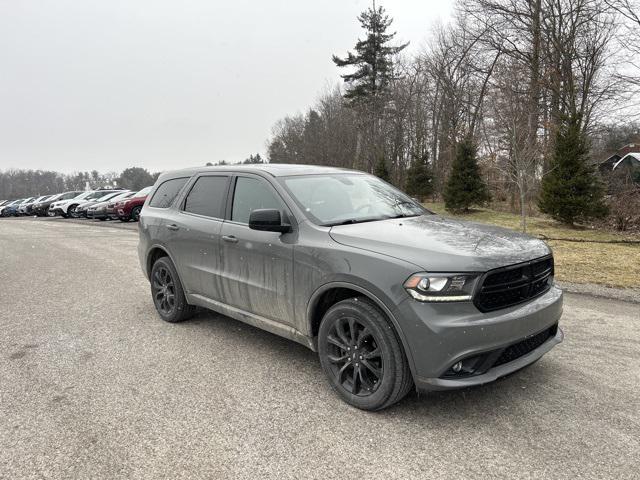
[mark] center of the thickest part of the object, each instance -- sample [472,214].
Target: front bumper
[430,384]
[439,335]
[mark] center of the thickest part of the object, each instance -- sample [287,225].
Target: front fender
[381,300]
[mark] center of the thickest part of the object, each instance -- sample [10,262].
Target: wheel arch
[331,293]
[154,253]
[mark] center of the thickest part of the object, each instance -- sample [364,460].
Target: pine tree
[368,85]
[571,191]
[465,186]
[372,58]
[419,178]
[381,171]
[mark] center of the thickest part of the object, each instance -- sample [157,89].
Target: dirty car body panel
[278,281]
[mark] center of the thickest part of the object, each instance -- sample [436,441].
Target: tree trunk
[523,208]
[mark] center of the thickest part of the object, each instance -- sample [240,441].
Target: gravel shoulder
[94,385]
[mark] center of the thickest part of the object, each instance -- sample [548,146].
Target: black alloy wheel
[356,360]
[71,211]
[362,355]
[167,292]
[164,290]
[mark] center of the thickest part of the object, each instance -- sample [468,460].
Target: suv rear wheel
[167,293]
[362,356]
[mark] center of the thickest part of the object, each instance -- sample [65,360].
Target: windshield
[344,198]
[108,196]
[84,195]
[144,192]
[123,196]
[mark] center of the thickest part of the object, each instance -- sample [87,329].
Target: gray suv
[389,294]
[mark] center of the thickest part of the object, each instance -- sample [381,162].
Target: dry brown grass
[614,265]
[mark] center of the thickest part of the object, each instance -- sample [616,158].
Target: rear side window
[207,197]
[252,194]
[167,192]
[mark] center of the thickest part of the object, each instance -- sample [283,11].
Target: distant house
[628,157]
[622,168]
[630,160]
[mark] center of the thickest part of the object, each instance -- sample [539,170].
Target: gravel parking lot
[94,385]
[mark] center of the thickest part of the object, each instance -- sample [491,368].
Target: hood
[135,200]
[439,244]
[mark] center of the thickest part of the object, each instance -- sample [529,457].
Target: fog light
[457,367]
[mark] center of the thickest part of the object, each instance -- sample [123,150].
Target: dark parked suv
[389,294]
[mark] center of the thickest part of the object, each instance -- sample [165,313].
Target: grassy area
[615,265]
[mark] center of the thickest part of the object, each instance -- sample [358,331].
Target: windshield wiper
[351,221]
[405,215]
[405,202]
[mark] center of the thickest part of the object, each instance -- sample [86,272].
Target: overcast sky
[107,84]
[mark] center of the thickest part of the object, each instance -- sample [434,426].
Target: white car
[25,208]
[43,209]
[66,208]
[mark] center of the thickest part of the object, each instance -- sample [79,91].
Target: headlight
[441,287]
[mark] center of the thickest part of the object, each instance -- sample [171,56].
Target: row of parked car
[102,204]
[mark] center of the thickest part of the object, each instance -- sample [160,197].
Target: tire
[71,212]
[165,285]
[357,323]
[135,213]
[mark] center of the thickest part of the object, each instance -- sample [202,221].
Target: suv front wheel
[362,356]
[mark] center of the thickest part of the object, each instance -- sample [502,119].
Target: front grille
[508,286]
[525,346]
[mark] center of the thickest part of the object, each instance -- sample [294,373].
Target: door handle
[230,238]
[173,227]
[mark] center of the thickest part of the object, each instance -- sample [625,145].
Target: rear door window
[207,196]
[167,192]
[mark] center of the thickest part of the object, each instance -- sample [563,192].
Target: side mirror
[268,220]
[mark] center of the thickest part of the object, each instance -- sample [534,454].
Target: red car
[129,209]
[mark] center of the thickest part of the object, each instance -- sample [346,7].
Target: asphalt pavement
[94,385]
